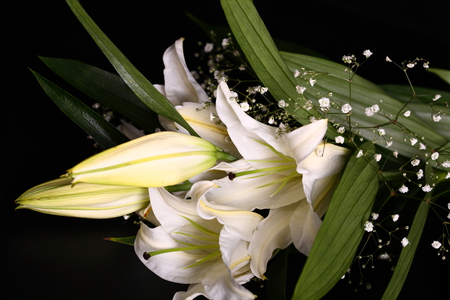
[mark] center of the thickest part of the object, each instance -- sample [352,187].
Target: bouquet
[266,157]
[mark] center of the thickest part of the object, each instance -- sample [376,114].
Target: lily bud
[155,160]
[83,200]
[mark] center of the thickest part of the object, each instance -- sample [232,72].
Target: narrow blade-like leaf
[442,73]
[263,55]
[143,89]
[105,134]
[106,88]
[342,229]
[129,240]
[406,257]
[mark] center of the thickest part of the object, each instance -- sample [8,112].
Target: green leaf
[263,56]
[365,94]
[423,108]
[342,229]
[442,73]
[223,31]
[105,134]
[142,88]
[106,88]
[406,257]
[129,240]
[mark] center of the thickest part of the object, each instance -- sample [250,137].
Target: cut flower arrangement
[227,178]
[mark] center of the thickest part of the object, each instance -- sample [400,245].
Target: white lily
[198,243]
[83,200]
[293,174]
[191,101]
[155,160]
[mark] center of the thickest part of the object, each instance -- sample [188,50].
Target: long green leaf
[342,229]
[365,94]
[105,134]
[143,89]
[442,73]
[263,55]
[406,257]
[106,88]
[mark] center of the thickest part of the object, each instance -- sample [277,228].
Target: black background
[65,258]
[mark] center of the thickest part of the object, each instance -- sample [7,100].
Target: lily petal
[326,160]
[304,225]
[272,233]
[245,132]
[179,84]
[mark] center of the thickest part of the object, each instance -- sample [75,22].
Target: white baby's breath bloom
[208,47]
[426,65]
[437,97]
[244,106]
[436,245]
[403,189]
[312,81]
[346,108]
[263,90]
[446,164]
[339,139]
[410,65]
[435,155]
[395,217]
[377,157]
[367,53]
[413,141]
[419,174]
[395,153]
[436,118]
[347,59]
[296,73]
[341,130]
[360,153]
[407,113]
[404,242]
[300,89]
[282,104]
[384,256]
[389,144]
[381,131]
[225,43]
[388,59]
[324,103]
[368,226]
[375,216]
[415,162]
[447,177]
[422,146]
[427,188]
[370,111]
[448,205]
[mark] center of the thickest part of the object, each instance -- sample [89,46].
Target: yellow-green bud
[155,160]
[83,200]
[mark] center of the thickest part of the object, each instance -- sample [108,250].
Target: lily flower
[83,200]
[155,160]
[199,244]
[191,101]
[292,174]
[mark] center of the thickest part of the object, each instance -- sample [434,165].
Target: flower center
[280,165]
[206,239]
